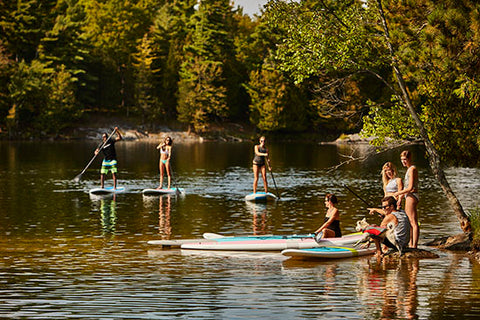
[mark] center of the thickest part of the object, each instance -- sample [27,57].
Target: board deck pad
[260,197]
[107,190]
[329,252]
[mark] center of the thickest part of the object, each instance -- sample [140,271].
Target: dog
[371,232]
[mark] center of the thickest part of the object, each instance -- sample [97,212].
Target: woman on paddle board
[109,162]
[164,164]
[260,161]
[410,191]
[331,224]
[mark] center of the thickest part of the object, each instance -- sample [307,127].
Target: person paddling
[260,160]
[109,162]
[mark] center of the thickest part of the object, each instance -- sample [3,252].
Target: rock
[412,253]
[459,242]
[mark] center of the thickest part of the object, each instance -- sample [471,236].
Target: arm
[400,187]
[119,135]
[333,217]
[411,178]
[260,154]
[379,211]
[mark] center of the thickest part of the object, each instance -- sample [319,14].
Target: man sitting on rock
[400,230]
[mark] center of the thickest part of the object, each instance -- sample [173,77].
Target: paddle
[274,183]
[177,191]
[368,204]
[79,176]
[364,201]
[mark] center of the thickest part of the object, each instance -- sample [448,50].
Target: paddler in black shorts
[260,160]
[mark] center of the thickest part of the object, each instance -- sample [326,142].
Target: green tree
[202,85]
[113,27]
[344,35]
[23,24]
[276,104]
[145,99]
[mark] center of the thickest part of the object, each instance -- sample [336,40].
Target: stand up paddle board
[171,243]
[260,196]
[106,191]
[329,252]
[157,192]
[268,242]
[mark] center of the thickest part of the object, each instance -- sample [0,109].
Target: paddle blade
[77,178]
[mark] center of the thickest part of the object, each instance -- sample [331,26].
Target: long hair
[388,165]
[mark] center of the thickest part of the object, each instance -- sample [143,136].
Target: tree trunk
[434,158]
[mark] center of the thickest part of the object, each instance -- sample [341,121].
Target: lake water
[65,254]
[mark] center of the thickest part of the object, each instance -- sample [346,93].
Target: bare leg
[264,177]
[161,174]
[102,180]
[169,174]
[255,178]
[114,176]
[327,233]
[411,211]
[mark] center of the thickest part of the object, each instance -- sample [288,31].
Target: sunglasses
[385,207]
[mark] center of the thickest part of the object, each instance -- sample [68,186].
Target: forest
[318,66]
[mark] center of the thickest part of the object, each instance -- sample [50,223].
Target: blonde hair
[391,166]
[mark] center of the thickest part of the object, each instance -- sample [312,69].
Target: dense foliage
[316,65]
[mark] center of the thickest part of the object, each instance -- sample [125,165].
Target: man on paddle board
[109,162]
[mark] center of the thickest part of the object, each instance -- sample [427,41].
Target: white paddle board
[106,191]
[260,196]
[157,192]
[329,252]
[268,242]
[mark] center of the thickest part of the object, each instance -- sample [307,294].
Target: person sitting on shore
[401,228]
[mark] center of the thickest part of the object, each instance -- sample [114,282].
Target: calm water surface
[64,254]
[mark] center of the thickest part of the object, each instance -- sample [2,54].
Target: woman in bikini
[391,182]
[164,164]
[260,160]
[331,224]
[410,192]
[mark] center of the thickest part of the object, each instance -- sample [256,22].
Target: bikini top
[392,186]
[164,151]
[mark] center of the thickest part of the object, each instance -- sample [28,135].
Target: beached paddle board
[106,191]
[157,192]
[329,252]
[268,242]
[260,197]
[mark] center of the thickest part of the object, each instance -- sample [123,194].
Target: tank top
[402,230]
[392,186]
[415,184]
[260,160]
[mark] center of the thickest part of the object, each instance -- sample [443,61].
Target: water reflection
[164,225]
[108,212]
[395,283]
[259,214]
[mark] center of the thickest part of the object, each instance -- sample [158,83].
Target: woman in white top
[164,164]
[410,192]
[391,182]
